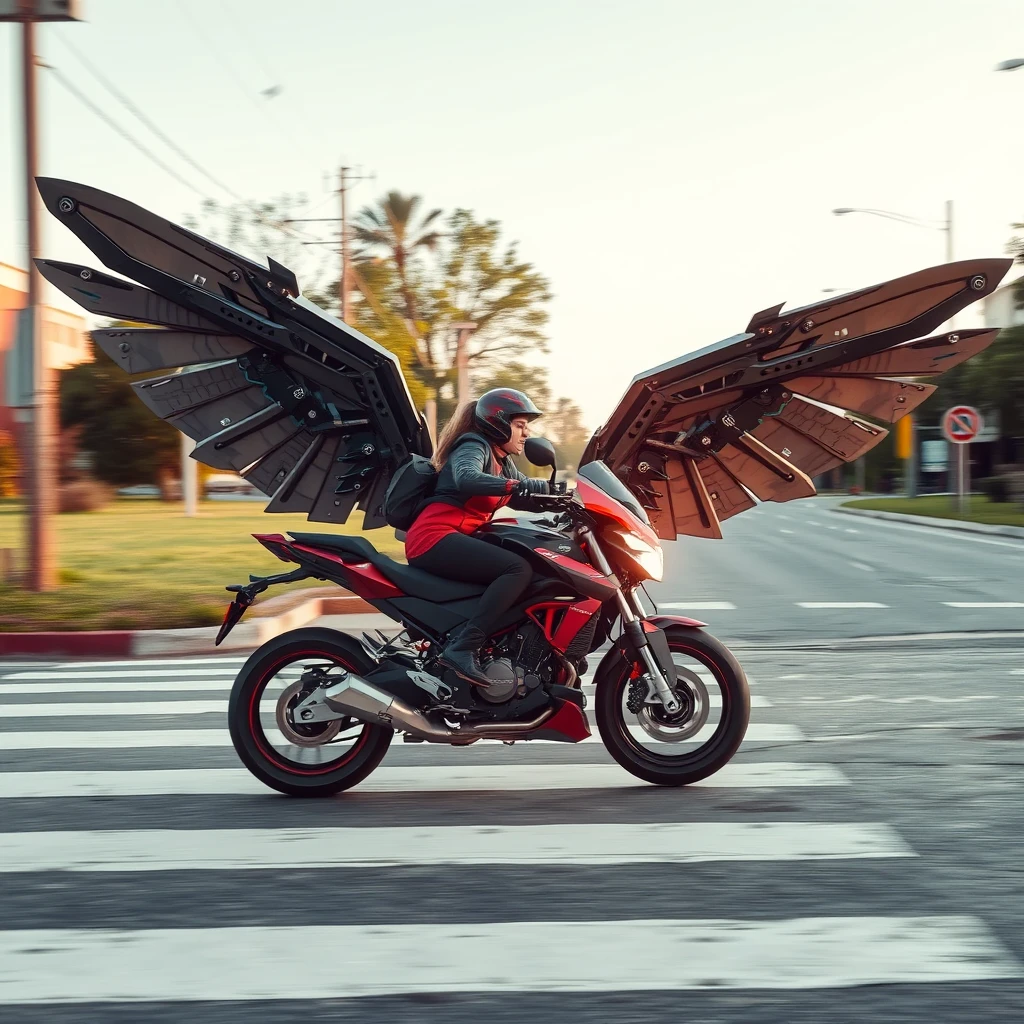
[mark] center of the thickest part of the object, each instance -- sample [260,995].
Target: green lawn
[943,506]
[142,564]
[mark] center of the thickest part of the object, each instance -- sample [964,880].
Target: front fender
[654,628]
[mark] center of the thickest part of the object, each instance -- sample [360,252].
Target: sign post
[961,425]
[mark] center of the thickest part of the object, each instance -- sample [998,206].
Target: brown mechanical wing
[797,394]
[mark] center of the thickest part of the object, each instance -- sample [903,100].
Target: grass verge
[142,564]
[944,506]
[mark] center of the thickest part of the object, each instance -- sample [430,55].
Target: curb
[197,640]
[940,524]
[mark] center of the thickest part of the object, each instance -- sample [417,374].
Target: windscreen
[601,476]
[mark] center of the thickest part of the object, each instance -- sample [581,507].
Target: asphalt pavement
[858,860]
[801,571]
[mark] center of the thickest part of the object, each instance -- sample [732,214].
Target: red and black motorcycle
[318,417]
[313,711]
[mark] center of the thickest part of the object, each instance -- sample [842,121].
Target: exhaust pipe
[356,697]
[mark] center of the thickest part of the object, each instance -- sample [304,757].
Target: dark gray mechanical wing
[312,412]
[797,394]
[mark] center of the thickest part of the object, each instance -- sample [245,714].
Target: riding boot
[462,655]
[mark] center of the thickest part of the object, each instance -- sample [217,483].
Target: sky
[671,167]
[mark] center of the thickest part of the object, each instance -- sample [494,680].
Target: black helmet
[496,409]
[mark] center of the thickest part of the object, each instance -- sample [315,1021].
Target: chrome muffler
[356,697]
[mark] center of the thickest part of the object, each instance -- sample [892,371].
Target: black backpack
[412,483]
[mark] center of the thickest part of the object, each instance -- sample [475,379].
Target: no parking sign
[961,424]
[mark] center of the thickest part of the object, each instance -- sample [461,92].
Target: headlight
[650,559]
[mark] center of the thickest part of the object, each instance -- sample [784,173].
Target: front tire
[688,766]
[307,769]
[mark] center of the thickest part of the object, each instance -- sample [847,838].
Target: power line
[103,116]
[155,129]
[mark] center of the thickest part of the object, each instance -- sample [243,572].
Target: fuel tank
[551,553]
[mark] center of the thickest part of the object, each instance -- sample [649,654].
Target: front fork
[633,614]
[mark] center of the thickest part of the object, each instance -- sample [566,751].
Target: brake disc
[313,734]
[692,692]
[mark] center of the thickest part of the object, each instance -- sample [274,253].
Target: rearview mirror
[540,451]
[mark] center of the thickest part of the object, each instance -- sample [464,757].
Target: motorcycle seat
[414,582]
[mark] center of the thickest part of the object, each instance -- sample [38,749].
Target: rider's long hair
[463,422]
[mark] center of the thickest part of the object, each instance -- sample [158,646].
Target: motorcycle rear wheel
[688,767]
[247,722]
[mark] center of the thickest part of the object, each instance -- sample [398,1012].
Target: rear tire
[253,748]
[613,676]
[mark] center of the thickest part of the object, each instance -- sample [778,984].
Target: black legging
[461,557]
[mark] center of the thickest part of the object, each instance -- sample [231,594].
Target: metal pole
[960,478]
[189,475]
[42,468]
[911,481]
[344,246]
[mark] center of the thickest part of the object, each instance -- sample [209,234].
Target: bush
[8,466]
[995,488]
[83,496]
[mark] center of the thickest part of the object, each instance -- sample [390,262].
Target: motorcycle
[671,702]
[318,417]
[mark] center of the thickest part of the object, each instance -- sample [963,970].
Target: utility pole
[39,407]
[346,180]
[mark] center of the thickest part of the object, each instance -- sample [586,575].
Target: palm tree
[389,229]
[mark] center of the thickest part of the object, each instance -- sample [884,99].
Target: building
[1000,308]
[65,334]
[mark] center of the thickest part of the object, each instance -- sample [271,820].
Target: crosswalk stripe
[984,604]
[405,779]
[72,739]
[175,964]
[698,606]
[118,674]
[170,707]
[582,844]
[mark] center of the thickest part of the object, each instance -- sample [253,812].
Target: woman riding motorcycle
[476,477]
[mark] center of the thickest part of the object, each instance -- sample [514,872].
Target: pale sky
[671,167]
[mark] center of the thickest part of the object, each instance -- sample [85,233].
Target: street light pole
[947,229]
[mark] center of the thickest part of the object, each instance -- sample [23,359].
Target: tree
[126,442]
[564,425]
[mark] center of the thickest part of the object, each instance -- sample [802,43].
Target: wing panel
[925,358]
[845,436]
[110,296]
[247,441]
[144,351]
[726,494]
[303,484]
[272,470]
[882,398]
[804,452]
[692,508]
[764,472]
[168,396]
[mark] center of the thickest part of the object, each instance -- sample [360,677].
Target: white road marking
[153,673]
[848,530]
[699,606]
[184,708]
[918,698]
[101,686]
[813,522]
[840,604]
[144,663]
[862,566]
[585,844]
[412,779]
[831,527]
[176,964]
[784,531]
[126,739]
[938,534]
[115,708]
[984,604]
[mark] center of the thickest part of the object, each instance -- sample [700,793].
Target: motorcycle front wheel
[316,759]
[697,742]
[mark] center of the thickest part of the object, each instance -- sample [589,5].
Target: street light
[946,227]
[1010,65]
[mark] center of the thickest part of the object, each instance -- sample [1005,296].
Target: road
[801,571]
[858,860]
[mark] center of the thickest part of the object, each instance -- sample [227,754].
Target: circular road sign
[961,424]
